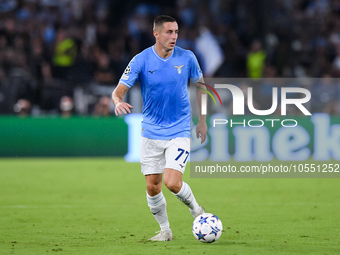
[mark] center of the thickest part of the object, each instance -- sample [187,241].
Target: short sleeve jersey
[164,82]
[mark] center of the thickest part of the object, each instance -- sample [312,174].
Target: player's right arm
[117,98]
[127,80]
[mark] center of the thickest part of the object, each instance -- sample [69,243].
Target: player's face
[167,35]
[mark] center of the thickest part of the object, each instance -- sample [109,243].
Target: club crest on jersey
[179,69]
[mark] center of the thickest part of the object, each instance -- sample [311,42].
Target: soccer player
[163,71]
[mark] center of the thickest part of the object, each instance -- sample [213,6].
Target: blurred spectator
[22,108]
[256,60]
[102,107]
[104,74]
[64,55]
[66,106]
[8,5]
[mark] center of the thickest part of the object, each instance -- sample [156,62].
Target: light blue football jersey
[164,81]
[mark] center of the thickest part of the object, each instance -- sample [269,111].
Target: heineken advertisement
[239,139]
[258,139]
[264,139]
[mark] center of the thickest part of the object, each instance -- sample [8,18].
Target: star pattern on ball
[203,220]
[200,236]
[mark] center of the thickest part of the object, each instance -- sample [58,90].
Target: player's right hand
[123,108]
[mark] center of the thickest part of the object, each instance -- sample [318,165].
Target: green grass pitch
[98,206]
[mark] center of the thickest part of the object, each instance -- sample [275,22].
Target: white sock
[157,206]
[187,197]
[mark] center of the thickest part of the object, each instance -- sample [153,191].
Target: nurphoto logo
[238,103]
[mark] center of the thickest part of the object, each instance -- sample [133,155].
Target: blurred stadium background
[61,60]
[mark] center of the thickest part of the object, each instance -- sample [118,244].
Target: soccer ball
[207,228]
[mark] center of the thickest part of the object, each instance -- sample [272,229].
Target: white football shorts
[156,155]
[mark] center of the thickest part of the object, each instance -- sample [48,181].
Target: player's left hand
[123,108]
[201,130]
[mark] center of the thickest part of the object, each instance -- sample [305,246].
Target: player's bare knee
[173,185]
[153,189]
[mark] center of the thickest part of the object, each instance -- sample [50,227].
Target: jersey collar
[164,59]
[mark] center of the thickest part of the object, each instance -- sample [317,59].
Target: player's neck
[162,52]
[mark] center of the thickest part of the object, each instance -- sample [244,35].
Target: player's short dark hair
[159,20]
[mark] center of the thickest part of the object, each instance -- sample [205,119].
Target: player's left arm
[201,128]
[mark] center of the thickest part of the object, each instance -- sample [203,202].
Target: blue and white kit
[164,81]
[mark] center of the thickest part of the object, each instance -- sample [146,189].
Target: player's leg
[152,166]
[156,200]
[173,181]
[176,156]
